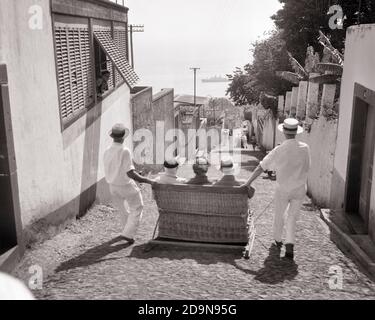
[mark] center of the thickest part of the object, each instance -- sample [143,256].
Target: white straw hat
[290,126]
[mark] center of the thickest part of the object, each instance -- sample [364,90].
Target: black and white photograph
[187,156]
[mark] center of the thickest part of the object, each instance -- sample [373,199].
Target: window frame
[67,122]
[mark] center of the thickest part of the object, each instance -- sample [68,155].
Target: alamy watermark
[336,278]
[36,278]
[154,147]
[36,17]
[337,19]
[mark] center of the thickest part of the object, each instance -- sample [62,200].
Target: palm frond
[297,67]
[325,79]
[326,43]
[332,68]
[289,76]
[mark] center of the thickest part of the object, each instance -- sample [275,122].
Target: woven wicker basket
[202,213]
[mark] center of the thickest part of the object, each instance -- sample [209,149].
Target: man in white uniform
[120,175]
[291,161]
[13,289]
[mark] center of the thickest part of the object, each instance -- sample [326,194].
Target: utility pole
[195,86]
[195,103]
[134,28]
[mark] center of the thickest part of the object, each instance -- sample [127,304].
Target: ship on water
[216,79]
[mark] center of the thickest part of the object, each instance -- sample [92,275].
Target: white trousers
[287,209]
[128,200]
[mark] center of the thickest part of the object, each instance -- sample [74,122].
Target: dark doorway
[9,204]
[361,156]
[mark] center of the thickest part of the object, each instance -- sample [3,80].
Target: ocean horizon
[185,85]
[182,81]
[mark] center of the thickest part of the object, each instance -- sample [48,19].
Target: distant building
[222,111]
[189,117]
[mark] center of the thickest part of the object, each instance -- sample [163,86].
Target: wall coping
[162,94]
[97,9]
[142,91]
[361,28]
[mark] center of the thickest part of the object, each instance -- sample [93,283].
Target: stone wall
[322,142]
[155,114]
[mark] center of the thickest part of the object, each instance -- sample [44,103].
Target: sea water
[183,83]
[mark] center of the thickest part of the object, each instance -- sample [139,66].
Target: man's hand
[152,182]
[250,190]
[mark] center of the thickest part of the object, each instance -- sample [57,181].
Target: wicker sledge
[203,216]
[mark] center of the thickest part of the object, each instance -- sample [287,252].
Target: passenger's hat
[290,126]
[171,163]
[227,166]
[201,164]
[119,131]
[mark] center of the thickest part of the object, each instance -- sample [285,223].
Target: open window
[104,76]
[91,62]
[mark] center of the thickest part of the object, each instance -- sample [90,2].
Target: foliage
[269,102]
[260,76]
[301,21]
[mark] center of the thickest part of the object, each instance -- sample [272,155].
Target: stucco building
[353,175]
[55,112]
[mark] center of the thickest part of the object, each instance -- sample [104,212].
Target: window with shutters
[103,63]
[74,68]
[91,62]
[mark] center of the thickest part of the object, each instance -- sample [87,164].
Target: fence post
[288,101]
[312,99]
[294,102]
[328,97]
[302,97]
[280,108]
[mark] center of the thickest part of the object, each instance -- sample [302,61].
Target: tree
[259,77]
[240,90]
[357,11]
[301,21]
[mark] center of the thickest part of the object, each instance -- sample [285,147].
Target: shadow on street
[94,255]
[276,270]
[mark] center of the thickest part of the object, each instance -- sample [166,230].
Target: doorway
[361,156]
[9,203]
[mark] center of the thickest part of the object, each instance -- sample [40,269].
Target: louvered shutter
[74,68]
[118,58]
[120,38]
[109,64]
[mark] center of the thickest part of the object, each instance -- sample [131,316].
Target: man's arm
[258,171]
[266,164]
[132,174]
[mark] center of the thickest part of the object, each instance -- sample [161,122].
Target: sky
[214,35]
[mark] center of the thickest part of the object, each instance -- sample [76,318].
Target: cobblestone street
[88,261]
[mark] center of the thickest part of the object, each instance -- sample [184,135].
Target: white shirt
[117,163]
[291,161]
[169,177]
[13,289]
